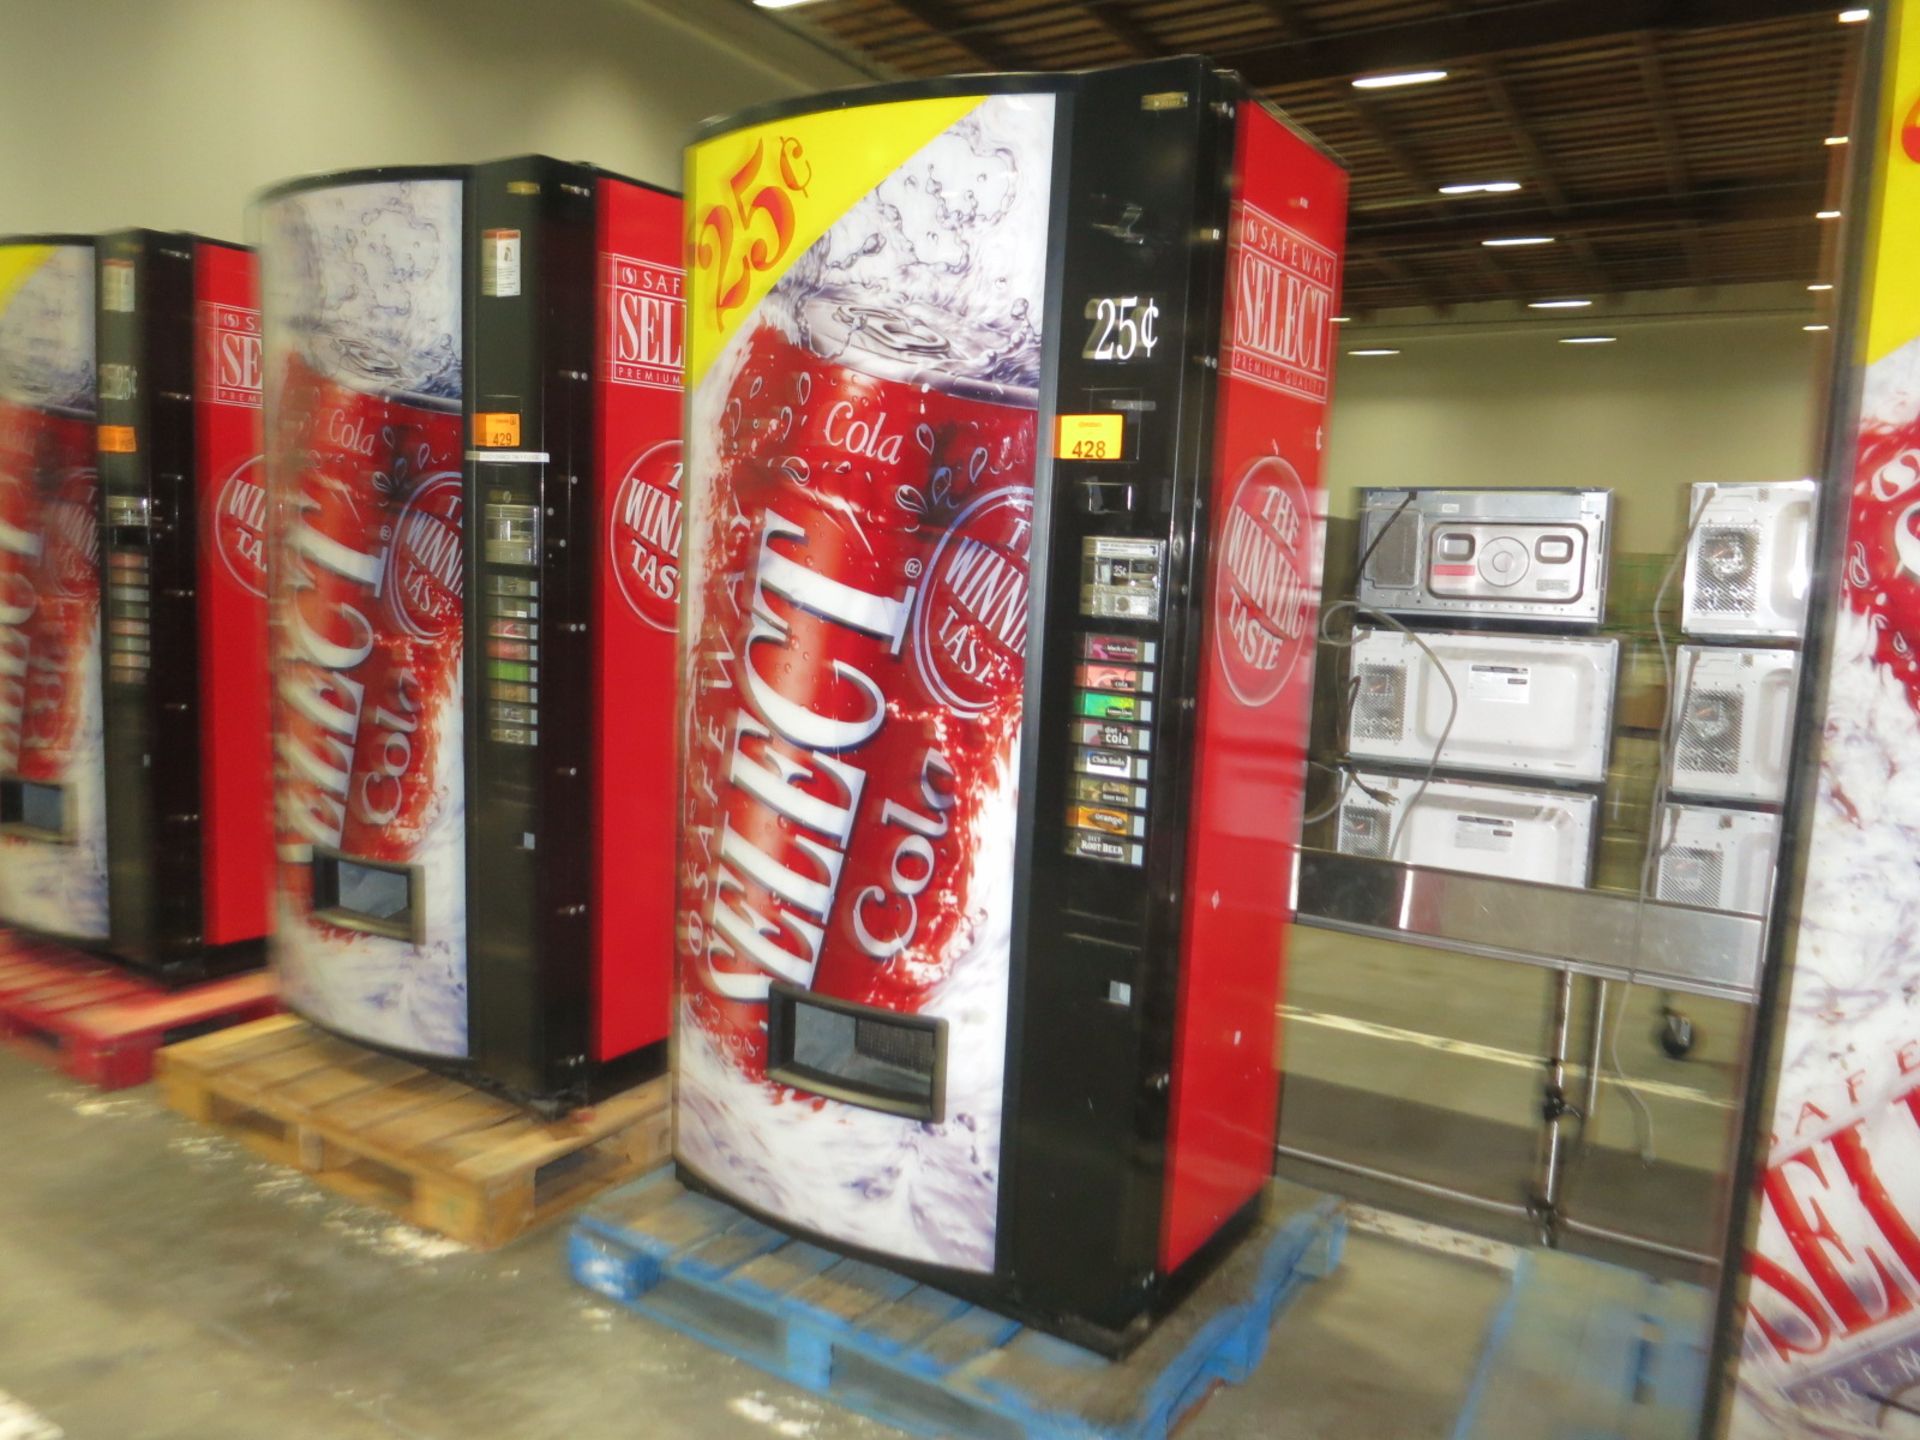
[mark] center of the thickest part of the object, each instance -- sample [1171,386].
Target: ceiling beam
[1539,168]
[1718,205]
[1653,80]
[1123,30]
[977,43]
[1468,35]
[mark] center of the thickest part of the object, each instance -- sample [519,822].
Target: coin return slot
[876,1059]
[379,899]
[29,808]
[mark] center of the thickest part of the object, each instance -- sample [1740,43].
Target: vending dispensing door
[364,315]
[53,854]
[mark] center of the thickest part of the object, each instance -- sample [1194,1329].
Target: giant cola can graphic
[362,311]
[858,509]
[53,871]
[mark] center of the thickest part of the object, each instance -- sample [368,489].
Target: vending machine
[472,722]
[53,846]
[186,750]
[1007,399]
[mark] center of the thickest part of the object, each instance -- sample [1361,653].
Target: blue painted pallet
[1582,1350]
[918,1358]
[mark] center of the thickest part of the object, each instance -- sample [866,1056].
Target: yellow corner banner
[1895,317]
[17,263]
[759,197]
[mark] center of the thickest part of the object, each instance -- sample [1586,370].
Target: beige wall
[173,113]
[1729,394]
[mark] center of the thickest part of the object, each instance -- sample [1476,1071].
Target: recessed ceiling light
[1819,287]
[1342,319]
[1837,139]
[1826,214]
[1509,240]
[1373,352]
[1394,81]
[1853,17]
[1816,327]
[1588,339]
[1481,187]
[1558,304]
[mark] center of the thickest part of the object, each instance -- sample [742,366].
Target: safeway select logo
[646,322]
[232,362]
[1282,306]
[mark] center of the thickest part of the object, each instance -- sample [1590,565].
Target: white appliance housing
[1732,722]
[1716,859]
[1527,704]
[1538,556]
[1750,563]
[1541,835]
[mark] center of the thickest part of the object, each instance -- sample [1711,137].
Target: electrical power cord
[1344,774]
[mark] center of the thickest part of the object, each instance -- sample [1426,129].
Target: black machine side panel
[530,329]
[149,530]
[1109,708]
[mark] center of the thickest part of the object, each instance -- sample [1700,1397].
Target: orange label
[116,440]
[496,429]
[1090,437]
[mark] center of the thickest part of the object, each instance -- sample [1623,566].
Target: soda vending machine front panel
[187,748]
[1002,526]
[53,850]
[464,876]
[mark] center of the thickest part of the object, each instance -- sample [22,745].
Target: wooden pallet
[103,1025]
[1582,1350]
[433,1150]
[918,1358]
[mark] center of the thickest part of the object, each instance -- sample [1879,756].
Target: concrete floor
[160,1283]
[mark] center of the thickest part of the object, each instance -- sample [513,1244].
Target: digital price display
[1123,328]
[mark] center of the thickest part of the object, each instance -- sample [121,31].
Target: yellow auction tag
[1090,437]
[496,429]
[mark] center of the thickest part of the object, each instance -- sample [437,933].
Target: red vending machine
[186,748]
[1006,410]
[473,737]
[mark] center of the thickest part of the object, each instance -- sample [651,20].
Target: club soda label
[643,536]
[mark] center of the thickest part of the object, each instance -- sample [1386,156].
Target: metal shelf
[1586,932]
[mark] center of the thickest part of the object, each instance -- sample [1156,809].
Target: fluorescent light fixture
[1837,139]
[1853,17]
[1481,187]
[1826,214]
[1588,339]
[1819,287]
[1394,81]
[1816,327]
[1506,241]
[1558,304]
[1342,319]
[1373,352]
